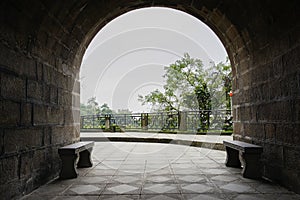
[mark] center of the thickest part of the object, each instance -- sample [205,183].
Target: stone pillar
[144,124]
[107,122]
[182,119]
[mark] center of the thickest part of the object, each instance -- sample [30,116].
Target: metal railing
[184,121]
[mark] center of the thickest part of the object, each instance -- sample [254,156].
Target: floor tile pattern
[125,171]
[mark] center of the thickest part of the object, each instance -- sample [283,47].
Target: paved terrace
[208,141]
[124,170]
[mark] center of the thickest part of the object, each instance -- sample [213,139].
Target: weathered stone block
[35,90]
[284,134]
[11,190]
[64,98]
[273,155]
[61,81]
[291,58]
[289,178]
[232,33]
[40,114]
[47,74]
[245,113]
[76,132]
[55,115]
[52,154]
[76,87]
[274,171]
[69,116]
[265,92]
[296,134]
[47,136]
[53,95]
[254,110]
[16,140]
[255,131]
[38,160]
[277,69]
[61,135]
[13,87]
[292,158]
[269,132]
[39,71]
[10,113]
[15,62]
[8,169]
[76,100]
[46,93]
[26,164]
[1,142]
[238,127]
[275,91]
[26,114]
[28,68]
[43,114]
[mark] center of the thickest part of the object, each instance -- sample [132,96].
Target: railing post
[208,118]
[186,120]
[144,122]
[93,120]
[81,122]
[182,120]
[125,122]
[107,122]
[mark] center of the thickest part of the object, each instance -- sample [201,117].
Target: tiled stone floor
[124,171]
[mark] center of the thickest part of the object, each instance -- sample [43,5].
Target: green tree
[220,84]
[91,108]
[161,101]
[186,87]
[83,109]
[105,109]
[190,86]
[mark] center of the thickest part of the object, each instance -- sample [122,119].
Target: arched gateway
[41,47]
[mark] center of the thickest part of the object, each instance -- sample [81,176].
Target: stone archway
[42,44]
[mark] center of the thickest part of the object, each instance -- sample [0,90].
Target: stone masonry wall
[41,46]
[267,91]
[39,101]
[36,118]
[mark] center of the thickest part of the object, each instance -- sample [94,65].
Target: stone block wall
[37,116]
[39,102]
[41,47]
[267,92]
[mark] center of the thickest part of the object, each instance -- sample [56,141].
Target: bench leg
[68,169]
[85,159]
[232,159]
[251,165]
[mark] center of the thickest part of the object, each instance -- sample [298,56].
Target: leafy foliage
[104,109]
[92,108]
[191,87]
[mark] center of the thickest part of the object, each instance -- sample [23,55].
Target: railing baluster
[184,121]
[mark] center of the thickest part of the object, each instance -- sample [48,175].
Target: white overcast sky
[127,56]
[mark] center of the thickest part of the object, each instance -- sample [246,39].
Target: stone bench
[242,154]
[69,156]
